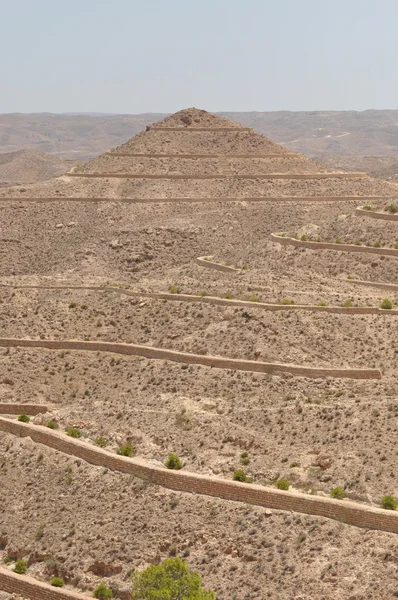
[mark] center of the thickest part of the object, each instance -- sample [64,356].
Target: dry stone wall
[193,359]
[385,216]
[289,241]
[378,284]
[299,176]
[27,587]
[348,512]
[8,408]
[284,199]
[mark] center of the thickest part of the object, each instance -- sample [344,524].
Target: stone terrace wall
[348,512]
[193,359]
[8,408]
[289,241]
[186,155]
[300,176]
[386,216]
[378,284]
[26,586]
[209,264]
[215,199]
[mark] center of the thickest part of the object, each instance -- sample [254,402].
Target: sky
[136,56]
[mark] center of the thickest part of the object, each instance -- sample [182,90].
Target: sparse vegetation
[322,303]
[101,441]
[173,462]
[287,301]
[174,289]
[376,244]
[73,432]
[21,566]
[254,298]
[338,493]
[304,238]
[72,305]
[125,450]
[228,296]
[348,303]
[338,240]
[244,459]
[52,424]
[367,207]
[386,304]
[392,208]
[282,484]
[57,582]
[239,475]
[23,418]
[102,592]
[389,502]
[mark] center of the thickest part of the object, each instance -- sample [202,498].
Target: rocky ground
[86,523]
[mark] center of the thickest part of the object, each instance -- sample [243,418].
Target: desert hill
[146,268]
[83,136]
[30,166]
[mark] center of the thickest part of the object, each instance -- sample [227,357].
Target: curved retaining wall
[7,408]
[351,513]
[209,264]
[355,310]
[377,284]
[215,199]
[192,359]
[385,216]
[300,176]
[27,587]
[289,241]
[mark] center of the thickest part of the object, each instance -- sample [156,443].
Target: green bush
[282,484]
[57,582]
[72,305]
[322,303]
[287,301]
[102,592]
[101,441]
[239,475]
[171,580]
[254,298]
[389,502]
[51,424]
[244,459]
[348,303]
[376,244]
[367,207]
[126,450]
[21,566]
[338,240]
[173,462]
[228,296]
[304,238]
[174,289]
[395,245]
[392,208]
[386,304]
[24,418]
[201,293]
[338,492]
[358,243]
[73,432]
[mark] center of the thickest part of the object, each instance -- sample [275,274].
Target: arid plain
[166,242]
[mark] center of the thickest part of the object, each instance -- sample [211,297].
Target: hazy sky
[133,56]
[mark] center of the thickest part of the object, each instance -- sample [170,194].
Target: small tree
[171,580]
[21,566]
[102,592]
[173,462]
[389,502]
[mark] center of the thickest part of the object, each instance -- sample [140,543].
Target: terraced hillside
[145,301]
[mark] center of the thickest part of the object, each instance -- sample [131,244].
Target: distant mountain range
[84,135]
